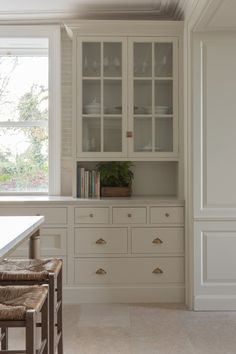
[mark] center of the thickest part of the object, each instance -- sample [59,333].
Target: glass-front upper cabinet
[153,106]
[101,97]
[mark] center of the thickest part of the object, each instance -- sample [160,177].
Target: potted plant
[116,178]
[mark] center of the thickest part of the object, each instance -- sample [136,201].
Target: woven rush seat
[28,269]
[16,300]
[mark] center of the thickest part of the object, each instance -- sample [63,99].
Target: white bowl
[92,109]
[162,109]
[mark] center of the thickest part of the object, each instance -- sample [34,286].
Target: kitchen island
[16,229]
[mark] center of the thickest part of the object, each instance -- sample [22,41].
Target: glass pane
[23,88]
[112,60]
[142,59]
[91,134]
[112,97]
[163,134]
[163,60]
[163,97]
[142,134]
[91,96]
[24,159]
[142,96]
[112,134]
[91,59]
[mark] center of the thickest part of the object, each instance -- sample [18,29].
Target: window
[29,114]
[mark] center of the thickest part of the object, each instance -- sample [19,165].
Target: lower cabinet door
[53,242]
[129,270]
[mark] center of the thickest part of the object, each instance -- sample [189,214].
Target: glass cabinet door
[102,108]
[154,109]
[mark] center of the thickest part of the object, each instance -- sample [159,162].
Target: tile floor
[145,329]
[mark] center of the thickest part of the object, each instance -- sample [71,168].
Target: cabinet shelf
[101,77]
[105,115]
[146,78]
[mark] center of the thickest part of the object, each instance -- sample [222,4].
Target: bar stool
[19,307]
[39,271]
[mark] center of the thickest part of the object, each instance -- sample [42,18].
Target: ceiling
[91,9]
[219,15]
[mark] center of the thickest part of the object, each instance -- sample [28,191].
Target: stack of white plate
[158,109]
[162,109]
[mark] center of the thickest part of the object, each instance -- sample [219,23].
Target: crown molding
[155,9]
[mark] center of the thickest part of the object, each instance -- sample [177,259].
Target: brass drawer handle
[129,215]
[100,241]
[91,215]
[167,215]
[101,271]
[157,271]
[157,241]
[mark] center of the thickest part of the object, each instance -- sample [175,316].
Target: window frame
[53,34]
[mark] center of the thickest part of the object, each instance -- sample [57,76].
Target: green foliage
[115,173]
[29,169]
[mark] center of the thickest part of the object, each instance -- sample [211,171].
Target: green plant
[115,173]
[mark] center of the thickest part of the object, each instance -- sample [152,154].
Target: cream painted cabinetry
[126,102]
[132,257]
[113,250]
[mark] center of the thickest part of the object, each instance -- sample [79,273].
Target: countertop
[16,229]
[149,200]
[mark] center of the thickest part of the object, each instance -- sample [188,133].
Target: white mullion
[25,124]
[102,99]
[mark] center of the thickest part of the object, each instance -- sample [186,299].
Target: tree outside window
[24,123]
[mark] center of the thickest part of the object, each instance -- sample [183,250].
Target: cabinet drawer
[101,240]
[91,215]
[52,215]
[166,215]
[53,241]
[129,270]
[158,240]
[129,215]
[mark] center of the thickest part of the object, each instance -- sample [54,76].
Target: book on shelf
[88,183]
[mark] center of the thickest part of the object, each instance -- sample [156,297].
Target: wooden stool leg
[52,323]
[30,332]
[4,331]
[45,319]
[59,314]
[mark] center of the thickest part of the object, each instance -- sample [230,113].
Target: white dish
[162,109]
[90,109]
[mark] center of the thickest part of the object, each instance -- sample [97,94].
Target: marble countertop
[149,200]
[15,229]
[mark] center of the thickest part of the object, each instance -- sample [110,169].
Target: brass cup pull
[129,215]
[157,271]
[100,241]
[91,215]
[157,241]
[167,215]
[101,271]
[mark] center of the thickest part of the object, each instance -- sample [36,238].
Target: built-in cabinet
[127,97]
[127,104]
[112,250]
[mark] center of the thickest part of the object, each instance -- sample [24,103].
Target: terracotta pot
[115,192]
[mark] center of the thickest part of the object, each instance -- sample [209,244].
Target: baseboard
[171,294]
[215,303]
